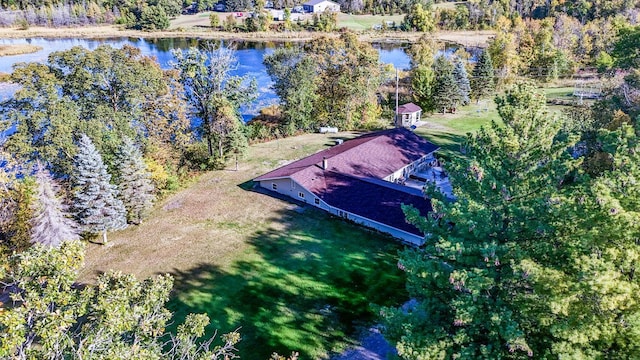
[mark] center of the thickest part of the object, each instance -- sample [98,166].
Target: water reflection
[249,54]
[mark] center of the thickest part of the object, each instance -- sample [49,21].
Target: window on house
[274,186]
[293,184]
[300,194]
[317,201]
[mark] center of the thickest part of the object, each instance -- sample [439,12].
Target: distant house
[318,6]
[408,115]
[278,15]
[361,180]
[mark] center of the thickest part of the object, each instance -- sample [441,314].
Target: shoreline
[465,38]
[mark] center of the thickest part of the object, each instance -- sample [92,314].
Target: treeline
[542,50]
[114,130]
[327,82]
[536,257]
[421,15]
[148,15]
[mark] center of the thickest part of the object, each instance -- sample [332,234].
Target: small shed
[408,115]
[318,6]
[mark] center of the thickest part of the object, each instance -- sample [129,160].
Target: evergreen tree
[96,202]
[51,224]
[134,182]
[482,79]
[471,281]
[445,90]
[462,81]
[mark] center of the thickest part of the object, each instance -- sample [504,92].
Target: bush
[153,18]
[214,20]
[197,157]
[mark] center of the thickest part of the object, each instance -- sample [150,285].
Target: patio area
[434,174]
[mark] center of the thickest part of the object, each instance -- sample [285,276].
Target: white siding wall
[292,189]
[407,170]
[397,233]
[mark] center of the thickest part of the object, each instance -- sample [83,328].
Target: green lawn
[365,22]
[290,280]
[449,130]
[562,93]
[305,287]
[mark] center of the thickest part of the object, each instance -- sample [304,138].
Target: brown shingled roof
[408,108]
[376,155]
[352,181]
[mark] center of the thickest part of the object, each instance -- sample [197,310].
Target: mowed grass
[365,22]
[290,278]
[449,130]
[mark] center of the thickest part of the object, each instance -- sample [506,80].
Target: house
[318,6]
[361,180]
[277,15]
[408,115]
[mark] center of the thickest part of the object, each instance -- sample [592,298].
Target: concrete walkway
[373,347]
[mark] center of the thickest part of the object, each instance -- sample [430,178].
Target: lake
[249,55]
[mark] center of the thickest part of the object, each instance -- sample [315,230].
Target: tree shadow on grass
[306,285]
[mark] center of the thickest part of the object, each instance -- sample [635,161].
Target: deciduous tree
[119,317]
[210,87]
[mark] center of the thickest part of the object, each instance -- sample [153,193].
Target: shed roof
[408,108]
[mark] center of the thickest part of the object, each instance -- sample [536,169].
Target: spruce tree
[134,182]
[445,90]
[483,77]
[51,223]
[462,80]
[96,202]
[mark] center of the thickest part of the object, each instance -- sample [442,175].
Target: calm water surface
[249,55]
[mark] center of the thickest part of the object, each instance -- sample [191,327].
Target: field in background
[366,22]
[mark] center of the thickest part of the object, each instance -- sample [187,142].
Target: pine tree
[462,80]
[51,224]
[96,202]
[472,281]
[482,80]
[445,90]
[134,181]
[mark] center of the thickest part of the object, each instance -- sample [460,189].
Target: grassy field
[290,277]
[365,22]
[449,130]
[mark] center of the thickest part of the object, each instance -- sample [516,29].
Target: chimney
[325,163]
